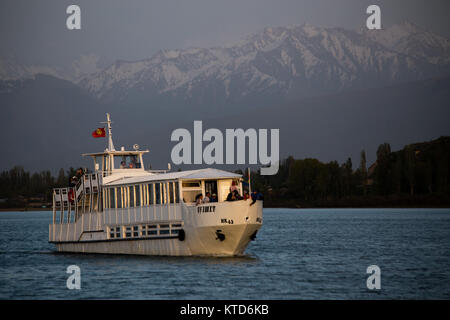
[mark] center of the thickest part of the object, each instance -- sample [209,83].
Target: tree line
[417,174]
[18,186]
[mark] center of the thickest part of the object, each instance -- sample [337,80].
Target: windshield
[127,162]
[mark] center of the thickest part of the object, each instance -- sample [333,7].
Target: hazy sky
[34,32]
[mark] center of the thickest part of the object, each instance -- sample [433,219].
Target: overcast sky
[34,32]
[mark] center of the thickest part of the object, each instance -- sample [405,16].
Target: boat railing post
[61,217]
[69,205]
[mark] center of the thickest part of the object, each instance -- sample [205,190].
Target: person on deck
[256,196]
[231,197]
[198,199]
[233,186]
[237,195]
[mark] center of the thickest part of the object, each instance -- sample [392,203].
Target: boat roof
[115,152]
[207,173]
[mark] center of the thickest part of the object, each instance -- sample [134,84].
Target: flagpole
[249,182]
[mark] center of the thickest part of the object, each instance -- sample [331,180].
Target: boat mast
[110,142]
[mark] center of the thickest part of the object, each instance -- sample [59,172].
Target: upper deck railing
[85,196]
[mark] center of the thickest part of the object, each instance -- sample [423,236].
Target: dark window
[119,197]
[112,198]
[138,196]
[131,189]
[158,193]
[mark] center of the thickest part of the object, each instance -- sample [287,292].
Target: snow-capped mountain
[411,40]
[85,65]
[287,62]
[11,70]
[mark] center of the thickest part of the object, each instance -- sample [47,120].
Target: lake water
[298,254]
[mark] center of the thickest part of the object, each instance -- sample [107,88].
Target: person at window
[133,162]
[207,198]
[231,197]
[214,198]
[123,164]
[256,196]
[246,195]
[237,195]
[198,199]
[79,172]
[233,186]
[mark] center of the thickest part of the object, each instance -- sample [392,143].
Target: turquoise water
[298,254]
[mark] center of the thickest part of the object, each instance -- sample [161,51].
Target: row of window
[141,195]
[137,231]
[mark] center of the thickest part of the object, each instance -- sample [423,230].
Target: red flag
[99,133]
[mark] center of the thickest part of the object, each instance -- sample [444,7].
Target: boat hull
[226,231]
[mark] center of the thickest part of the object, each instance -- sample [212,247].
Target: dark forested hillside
[417,175]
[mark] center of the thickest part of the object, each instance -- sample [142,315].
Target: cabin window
[177,192]
[137,195]
[211,186]
[131,193]
[114,232]
[191,189]
[112,198]
[119,197]
[158,193]
[128,232]
[127,161]
[192,184]
[172,192]
[151,194]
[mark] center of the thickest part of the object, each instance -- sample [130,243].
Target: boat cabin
[172,187]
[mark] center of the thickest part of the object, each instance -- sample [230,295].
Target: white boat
[121,208]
